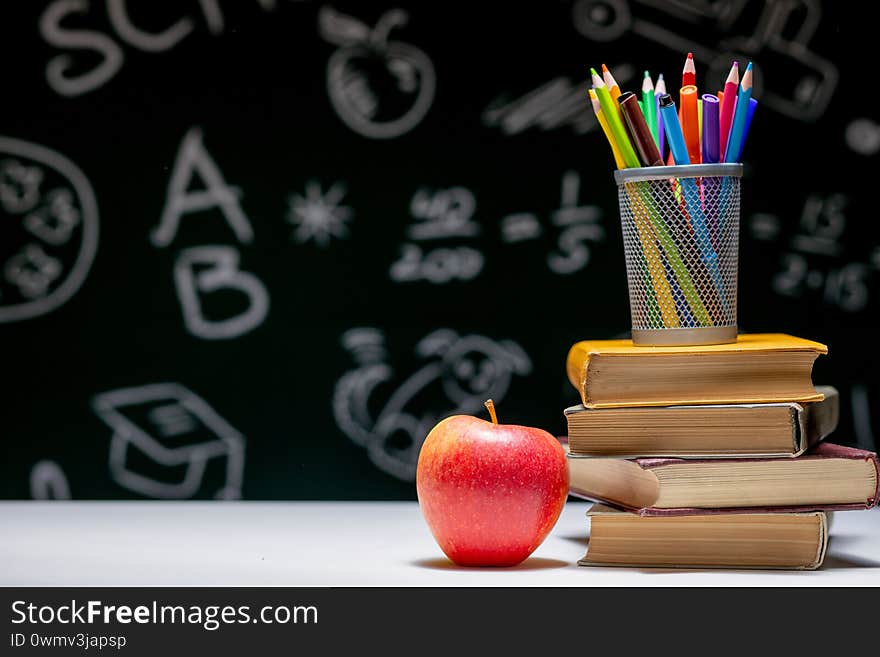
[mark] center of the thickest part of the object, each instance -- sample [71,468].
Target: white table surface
[337,544]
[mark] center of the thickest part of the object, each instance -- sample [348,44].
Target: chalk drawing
[43,274]
[381,89]
[811,260]
[48,482]
[440,214]
[194,160]
[863,136]
[19,186]
[802,84]
[579,225]
[552,105]
[117,12]
[458,374]
[169,430]
[60,70]
[32,271]
[202,270]
[318,216]
[55,221]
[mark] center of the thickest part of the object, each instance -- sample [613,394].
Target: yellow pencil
[665,302]
[615,148]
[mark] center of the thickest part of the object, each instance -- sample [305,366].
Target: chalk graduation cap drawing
[169,443]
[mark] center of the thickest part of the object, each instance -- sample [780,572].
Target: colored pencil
[659,90]
[734,139]
[728,103]
[603,122]
[655,282]
[753,105]
[611,83]
[612,114]
[649,104]
[689,73]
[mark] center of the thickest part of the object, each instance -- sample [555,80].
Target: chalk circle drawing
[803,83]
[164,438]
[194,162]
[317,215]
[601,20]
[381,89]
[202,270]
[48,482]
[863,136]
[48,201]
[391,419]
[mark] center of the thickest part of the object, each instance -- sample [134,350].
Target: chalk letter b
[219,270]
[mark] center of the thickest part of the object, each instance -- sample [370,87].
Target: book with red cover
[827,478]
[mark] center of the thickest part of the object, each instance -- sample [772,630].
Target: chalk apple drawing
[48,229]
[381,89]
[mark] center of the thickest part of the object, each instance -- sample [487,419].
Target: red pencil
[689,74]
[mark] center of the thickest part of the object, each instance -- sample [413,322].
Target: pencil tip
[593,71]
[604,68]
[690,55]
[749,67]
[647,75]
[660,77]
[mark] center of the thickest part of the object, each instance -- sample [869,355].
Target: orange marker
[611,83]
[690,122]
[689,74]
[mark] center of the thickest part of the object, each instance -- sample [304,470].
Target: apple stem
[491,406]
[388,21]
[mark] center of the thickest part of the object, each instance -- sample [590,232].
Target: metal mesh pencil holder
[681,241]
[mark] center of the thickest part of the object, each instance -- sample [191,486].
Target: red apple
[490,492]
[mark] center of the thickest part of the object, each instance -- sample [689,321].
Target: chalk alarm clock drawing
[459,373]
[49,228]
[381,89]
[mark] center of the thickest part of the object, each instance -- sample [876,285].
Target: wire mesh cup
[681,241]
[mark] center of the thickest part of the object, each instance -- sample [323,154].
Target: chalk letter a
[192,159]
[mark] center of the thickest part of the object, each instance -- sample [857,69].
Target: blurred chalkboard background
[256,248]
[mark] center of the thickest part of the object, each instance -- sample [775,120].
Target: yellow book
[758,368]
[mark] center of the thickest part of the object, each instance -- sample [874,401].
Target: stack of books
[710,456]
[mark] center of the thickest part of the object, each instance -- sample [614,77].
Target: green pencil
[612,115]
[649,108]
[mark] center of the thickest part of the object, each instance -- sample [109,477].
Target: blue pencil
[734,141]
[753,105]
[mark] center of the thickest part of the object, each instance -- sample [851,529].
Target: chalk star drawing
[319,216]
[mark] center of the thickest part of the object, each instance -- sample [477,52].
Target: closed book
[757,368]
[703,431]
[767,540]
[828,477]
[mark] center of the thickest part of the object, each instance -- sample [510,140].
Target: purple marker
[711,141]
[659,90]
